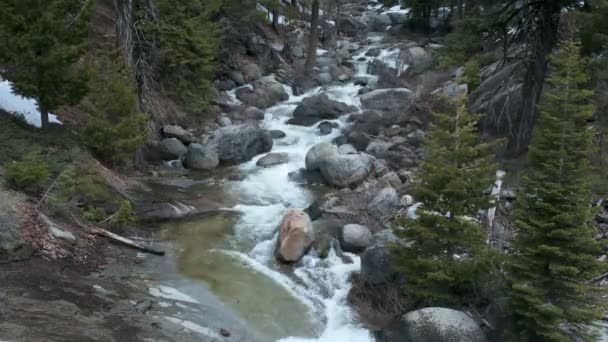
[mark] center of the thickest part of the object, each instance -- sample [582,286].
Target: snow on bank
[19,105]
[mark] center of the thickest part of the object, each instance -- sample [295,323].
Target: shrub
[64,190]
[472,74]
[95,214]
[124,216]
[29,173]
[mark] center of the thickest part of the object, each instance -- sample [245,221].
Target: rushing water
[233,255]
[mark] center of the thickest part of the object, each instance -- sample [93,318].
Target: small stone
[63,235]
[224,332]
[276,134]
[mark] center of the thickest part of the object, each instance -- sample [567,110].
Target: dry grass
[377,305]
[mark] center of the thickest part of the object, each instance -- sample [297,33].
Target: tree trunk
[460,9]
[543,39]
[44,118]
[314,37]
[275,20]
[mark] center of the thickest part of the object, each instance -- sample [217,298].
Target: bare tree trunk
[460,9]
[44,118]
[275,20]
[314,37]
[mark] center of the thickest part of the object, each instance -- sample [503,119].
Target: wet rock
[239,143]
[385,204]
[266,92]
[378,22]
[172,148]
[325,127]
[347,170]
[441,325]
[224,332]
[276,134]
[224,121]
[318,155]
[305,177]
[317,108]
[174,131]
[251,72]
[355,238]
[388,100]
[237,77]
[359,140]
[253,113]
[272,159]
[154,211]
[340,140]
[296,235]
[324,78]
[202,157]
[347,149]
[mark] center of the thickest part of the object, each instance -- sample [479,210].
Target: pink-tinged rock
[296,236]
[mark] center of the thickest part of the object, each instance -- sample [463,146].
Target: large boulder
[272,159]
[296,235]
[317,108]
[355,238]
[12,245]
[240,143]
[384,206]
[266,92]
[388,100]
[347,170]
[174,131]
[378,22]
[295,44]
[441,325]
[377,262]
[350,26]
[417,58]
[172,148]
[202,157]
[319,154]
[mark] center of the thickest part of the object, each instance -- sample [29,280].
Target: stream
[233,255]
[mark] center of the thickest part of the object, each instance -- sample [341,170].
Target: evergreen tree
[42,41]
[447,251]
[555,253]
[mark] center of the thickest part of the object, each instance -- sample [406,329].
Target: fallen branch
[598,278]
[121,239]
[124,240]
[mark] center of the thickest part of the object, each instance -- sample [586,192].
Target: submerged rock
[272,159]
[296,235]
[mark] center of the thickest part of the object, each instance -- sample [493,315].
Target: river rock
[305,177]
[251,72]
[388,100]
[174,131]
[391,179]
[272,159]
[351,27]
[359,140]
[266,92]
[253,113]
[452,90]
[378,148]
[224,121]
[347,170]
[240,143]
[319,154]
[441,325]
[202,157]
[317,108]
[296,235]
[347,149]
[324,78]
[376,261]
[417,58]
[378,22]
[325,127]
[172,148]
[276,134]
[385,204]
[355,238]
[295,44]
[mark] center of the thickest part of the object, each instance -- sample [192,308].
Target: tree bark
[314,37]
[44,118]
[541,43]
[275,20]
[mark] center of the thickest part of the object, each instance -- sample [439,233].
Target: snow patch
[171,293]
[20,105]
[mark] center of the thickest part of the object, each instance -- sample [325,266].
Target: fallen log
[124,240]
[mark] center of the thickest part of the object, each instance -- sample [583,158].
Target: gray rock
[452,90]
[276,134]
[272,159]
[173,131]
[397,17]
[202,157]
[441,325]
[251,72]
[376,261]
[378,22]
[406,201]
[381,167]
[305,177]
[325,127]
[343,78]
[172,148]
[355,238]
[240,143]
[385,204]
[388,100]
[237,77]
[324,78]
[266,92]
[359,140]
[253,113]
[295,45]
[417,58]
[319,154]
[317,108]
[391,179]
[378,147]
[224,121]
[351,26]
[55,230]
[347,149]
[347,170]
[416,138]
[296,235]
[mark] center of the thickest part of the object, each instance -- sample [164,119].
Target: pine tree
[42,41]
[555,253]
[447,250]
